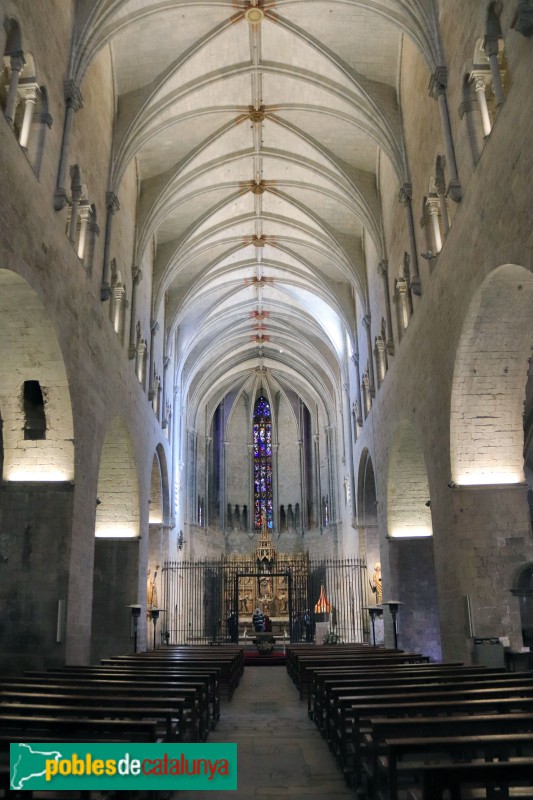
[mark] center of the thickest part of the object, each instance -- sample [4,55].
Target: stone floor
[280,752]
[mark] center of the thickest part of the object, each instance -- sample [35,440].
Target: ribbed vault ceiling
[257,128]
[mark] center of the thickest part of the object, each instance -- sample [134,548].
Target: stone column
[76,192]
[166,364]
[491,47]
[154,327]
[112,206]
[84,217]
[137,278]
[437,90]
[275,485]
[74,102]
[381,360]
[403,300]
[30,98]
[318,487]
[18,62]
[405,197]
[303,492]
[440,186]
[370,365]
[207,453]
[350,465]
[478,82]
[332,472]
[224,484]
[383,270]
[359,418]
[251,493]
[119,296]
[141,362]
[433,204]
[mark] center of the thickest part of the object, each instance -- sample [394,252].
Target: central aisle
[280,752]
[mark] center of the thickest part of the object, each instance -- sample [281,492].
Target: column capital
[154,326]
[464,108]
[17,61]
[433,203]
[383,268]
[491,44]
[28,90]
[438,82]
[406,194]
[136,274]
[72,94]
[111,203]
[105,292]
[478,79]
[454,191]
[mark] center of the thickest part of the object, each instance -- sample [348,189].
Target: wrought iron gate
[199,596]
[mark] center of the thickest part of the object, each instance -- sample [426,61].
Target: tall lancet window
[262,464]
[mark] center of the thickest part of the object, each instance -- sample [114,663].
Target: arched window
[262,430]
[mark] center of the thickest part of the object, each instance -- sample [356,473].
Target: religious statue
[151,588]
[282,602]
[265,586]
[245,603]
[375,583]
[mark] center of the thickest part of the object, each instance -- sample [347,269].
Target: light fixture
[254,15]
[394,605]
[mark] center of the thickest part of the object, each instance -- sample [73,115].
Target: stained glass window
[262,464]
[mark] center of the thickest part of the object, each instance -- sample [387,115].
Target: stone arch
[410,534]
[30,351]
[367,509]
[408,500]
[158,544]
[156,493]
[117,536]
[117,513]
[37,482]
[488,389]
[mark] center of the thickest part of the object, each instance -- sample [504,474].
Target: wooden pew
[203,683]
[169,713]
[405,757]
[365,710]
[332,687]
[502,780]
[306,664]
[382,729]
[339,719]
[231,664]
[188,699]
[24,727]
